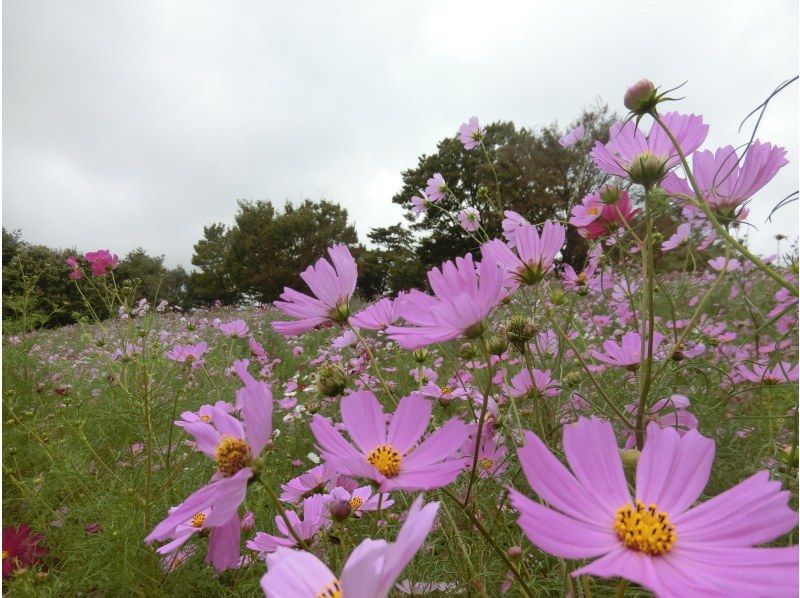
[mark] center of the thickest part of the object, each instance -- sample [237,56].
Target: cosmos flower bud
[248,521]
[558,297]
[609,194]
[497,345]
[630,457]
[519,331]
[331,380]
[340,510]
[467,351]
[514,553]
[641,97]
[571,378]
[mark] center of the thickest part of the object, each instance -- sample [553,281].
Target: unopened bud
[497,345]
[331,380]
[641,97]
[609,194]
[514,553]
[468,351]
[630,457]
[558,297]
[340,510]
[520,331]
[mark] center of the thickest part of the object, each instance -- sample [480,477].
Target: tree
[36,280]
[268,248]
[532,175]
[211,281]
[395,259]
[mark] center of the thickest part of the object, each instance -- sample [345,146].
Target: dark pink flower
[101,261]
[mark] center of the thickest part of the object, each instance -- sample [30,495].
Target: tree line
[267,246]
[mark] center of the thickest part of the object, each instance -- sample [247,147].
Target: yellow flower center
[593,211]
[386,460]
[6,554]
[205,418]
[486,463]
[332,590]
[355,503]
[582,278]
[233,455]
[645,529]
[198,520]
[445,390]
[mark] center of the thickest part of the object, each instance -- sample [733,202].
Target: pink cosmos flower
[471,133]
[445,394]
[360,499]
[469,219]
[671,412]
[657,539]
[315,518]
[419,203]
[726,181]
[572,137]
[370,570]
[101,261]
[332,285]
[594,218]
[463,296]
[718,264]
[511,224]
[213,507]
[234,329]
[191,354]
[204,414]
[376,316]
[630,154]
[681,235]
[628,353]
[315,481]
[491,455]
[436,188]
[761,374]
[541,384]
[391,455]
[535,255]
[75,272]
[234,447]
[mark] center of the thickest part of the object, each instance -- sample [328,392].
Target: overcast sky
[135,123]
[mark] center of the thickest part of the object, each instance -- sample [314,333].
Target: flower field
[520,426]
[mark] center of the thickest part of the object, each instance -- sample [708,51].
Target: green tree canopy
[535,176]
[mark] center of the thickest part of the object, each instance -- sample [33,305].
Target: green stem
[481,418]
[646,353]
[488,537]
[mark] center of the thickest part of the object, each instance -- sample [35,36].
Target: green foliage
[36,283]
[265,249]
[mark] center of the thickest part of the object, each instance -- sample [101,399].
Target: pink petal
[559,534]
[673,469]
[409,422]
[364,419]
